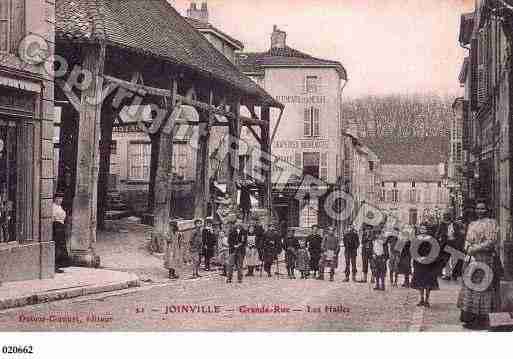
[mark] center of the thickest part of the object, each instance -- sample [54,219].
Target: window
[297,160]
[113,147]
[5,28]
[12,24]
[413,184]
[312,84]
[413,216]
[381,194]
[181,160]
[139,157]
[311,122]
[324,166]
[413,196]
[393,195]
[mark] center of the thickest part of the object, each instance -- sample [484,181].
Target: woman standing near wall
[481,245]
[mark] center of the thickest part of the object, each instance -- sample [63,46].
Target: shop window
[413,217]
[311,164]
[16,180]
[139,158]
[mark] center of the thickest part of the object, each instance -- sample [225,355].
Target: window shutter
[17,24]
[297,160]
[324,166]
[316,122]
[303,85]
[473,73]
[419,196]
[307,132]
[320,85]
[5,28]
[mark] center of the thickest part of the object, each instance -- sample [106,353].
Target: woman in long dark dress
[425,270]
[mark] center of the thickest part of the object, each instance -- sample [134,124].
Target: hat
[198,220]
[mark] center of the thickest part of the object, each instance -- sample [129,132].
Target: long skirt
[251,258]
[425,276]
[329,259]
[484,302]
[303,262]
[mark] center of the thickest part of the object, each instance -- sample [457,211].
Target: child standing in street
[380,257]
[223,250]
[303,260]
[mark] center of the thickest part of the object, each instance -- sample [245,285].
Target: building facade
[309,134]
[413,193]
[26,140]
[487,106]
[456,158]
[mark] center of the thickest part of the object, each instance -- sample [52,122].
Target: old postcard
[229,165]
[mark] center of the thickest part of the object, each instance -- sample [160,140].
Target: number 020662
[17,349]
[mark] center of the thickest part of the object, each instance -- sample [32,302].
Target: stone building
[487,105]
[413,177]
[456,158]
[308,137]
[26,146]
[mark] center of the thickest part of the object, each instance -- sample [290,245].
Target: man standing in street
[366,251]
[209,243]
[271,248]
[314,241]
[351,244]
[196,247]
[237,242]
[330,251]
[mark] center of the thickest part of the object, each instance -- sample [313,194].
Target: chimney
[200,14]
[278,38]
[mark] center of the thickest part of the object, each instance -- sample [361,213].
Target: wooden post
[83,231]
[233,151]
[265,147]
[155,141]
[163,180]
[105,153]
[201,196]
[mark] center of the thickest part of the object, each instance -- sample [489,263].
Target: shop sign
[302,144]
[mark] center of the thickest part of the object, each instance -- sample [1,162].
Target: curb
[61,294]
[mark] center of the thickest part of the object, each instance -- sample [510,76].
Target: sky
[386,46]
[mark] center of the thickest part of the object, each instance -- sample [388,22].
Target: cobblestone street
[360,308]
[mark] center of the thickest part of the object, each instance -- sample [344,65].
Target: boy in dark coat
[314,241]
[272,246]
[351,244]
[291,246]
[237,242]
[209,243]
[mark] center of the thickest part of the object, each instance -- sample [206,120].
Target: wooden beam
[105,152]
[255,134]
[276,126]
[266,148]
[233,152]
[83,232]
[163,177]
[185,100]
[201,195]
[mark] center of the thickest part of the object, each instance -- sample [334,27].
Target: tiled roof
[255,62]
[410,173]
[155,28]
[200,25]
[410,150]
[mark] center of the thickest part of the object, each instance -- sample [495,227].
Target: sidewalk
[74,282]
[443,316]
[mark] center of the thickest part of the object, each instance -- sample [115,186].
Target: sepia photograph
[264,166]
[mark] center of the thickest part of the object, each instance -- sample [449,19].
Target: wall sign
[302,99]
[302,144]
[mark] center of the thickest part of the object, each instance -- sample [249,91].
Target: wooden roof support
[265,147]
[163,176]
[185,100]
[233,152]
[83,228]
[277,125]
